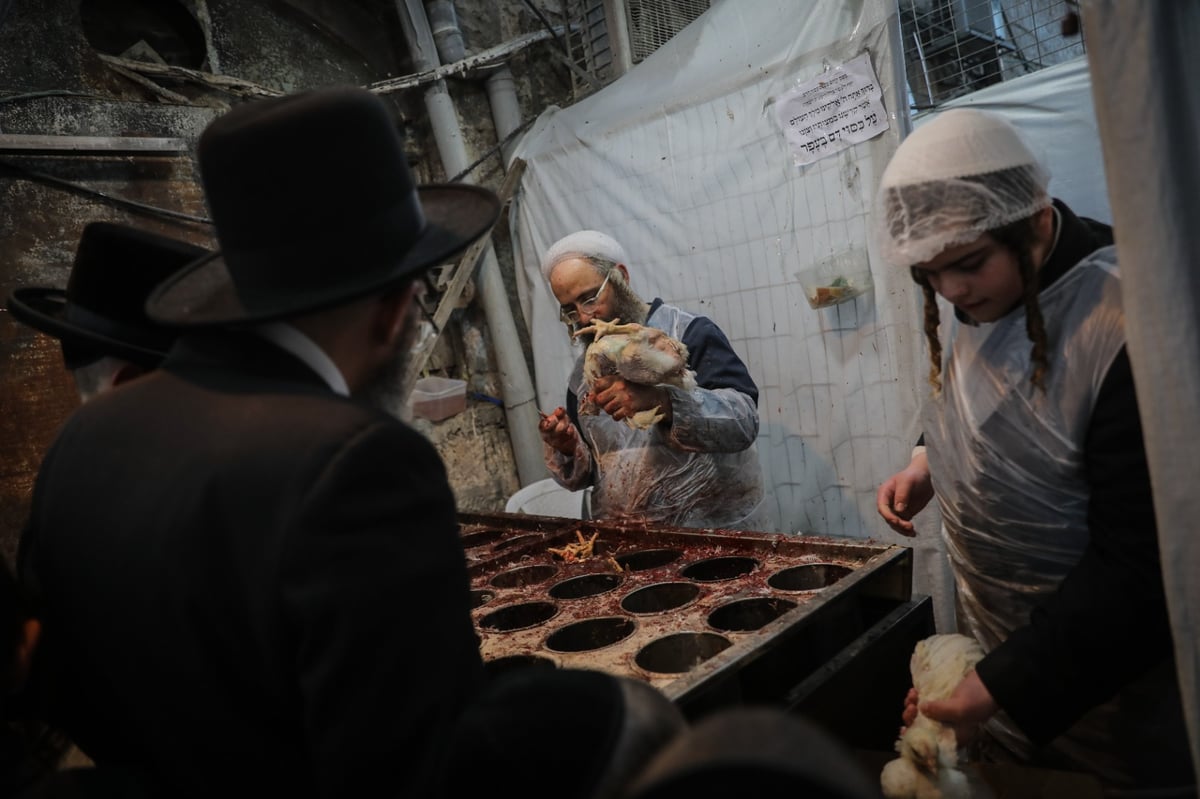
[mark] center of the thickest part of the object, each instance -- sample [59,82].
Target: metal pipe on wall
[617,27]
[519,397]
[443,23]
[506,109]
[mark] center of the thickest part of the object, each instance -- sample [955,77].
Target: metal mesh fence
[653,22]
[951,47]
[954,47]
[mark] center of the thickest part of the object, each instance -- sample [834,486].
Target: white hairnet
[585,243]
[956,177]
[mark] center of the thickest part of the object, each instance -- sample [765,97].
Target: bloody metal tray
[707,616]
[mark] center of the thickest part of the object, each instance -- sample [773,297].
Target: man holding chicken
[660,421]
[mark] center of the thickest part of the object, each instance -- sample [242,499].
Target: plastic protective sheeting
[683,161]
[1148,107]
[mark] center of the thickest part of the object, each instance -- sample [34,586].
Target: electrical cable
[21,172]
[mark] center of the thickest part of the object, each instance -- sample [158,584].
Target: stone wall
[60,82]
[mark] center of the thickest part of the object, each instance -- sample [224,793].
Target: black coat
[251,583]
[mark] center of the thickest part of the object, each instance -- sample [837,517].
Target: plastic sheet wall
[1148,106]
[682,161]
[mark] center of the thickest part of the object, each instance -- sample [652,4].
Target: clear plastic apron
[1007,464]
[641,475]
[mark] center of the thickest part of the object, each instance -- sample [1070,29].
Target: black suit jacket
[250,583]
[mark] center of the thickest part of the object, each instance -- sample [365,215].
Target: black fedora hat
[559,732]
[102,309]
[314,205]
[755,750]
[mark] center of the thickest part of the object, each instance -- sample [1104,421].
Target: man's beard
[390,387]
[627,306]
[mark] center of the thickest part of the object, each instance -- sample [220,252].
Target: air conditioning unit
[982,15]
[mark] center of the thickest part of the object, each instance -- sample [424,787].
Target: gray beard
[391,386]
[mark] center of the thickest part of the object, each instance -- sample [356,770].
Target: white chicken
[640,354]
[928,764]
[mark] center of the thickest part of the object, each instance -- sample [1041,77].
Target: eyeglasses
[571,315]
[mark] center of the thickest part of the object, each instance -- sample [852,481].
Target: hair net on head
[954,178]
[585,243]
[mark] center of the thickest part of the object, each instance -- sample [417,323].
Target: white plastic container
[836,279]
[547,498]
[438,398]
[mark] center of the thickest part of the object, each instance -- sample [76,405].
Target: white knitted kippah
[585,244]
[961,174]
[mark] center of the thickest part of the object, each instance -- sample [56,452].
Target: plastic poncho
[1007,463]
[701,471]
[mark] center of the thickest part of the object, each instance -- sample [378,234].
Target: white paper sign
[828,114]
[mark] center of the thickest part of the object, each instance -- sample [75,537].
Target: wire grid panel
[653,22]
[589,45]
[688,170]
[955,47]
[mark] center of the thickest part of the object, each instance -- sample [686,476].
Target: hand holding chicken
[928,764]
[626,367]
[637,405]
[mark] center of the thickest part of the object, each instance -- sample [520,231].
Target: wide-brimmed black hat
[314,205]
[563,733]
[755,750]
[102,309]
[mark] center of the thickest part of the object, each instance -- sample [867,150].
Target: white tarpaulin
[686,162]
[1148,105]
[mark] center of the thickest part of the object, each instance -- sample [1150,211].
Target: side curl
[1018,238]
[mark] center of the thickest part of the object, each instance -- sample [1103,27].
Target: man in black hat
[106,338]
[100,317]
[251,578]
